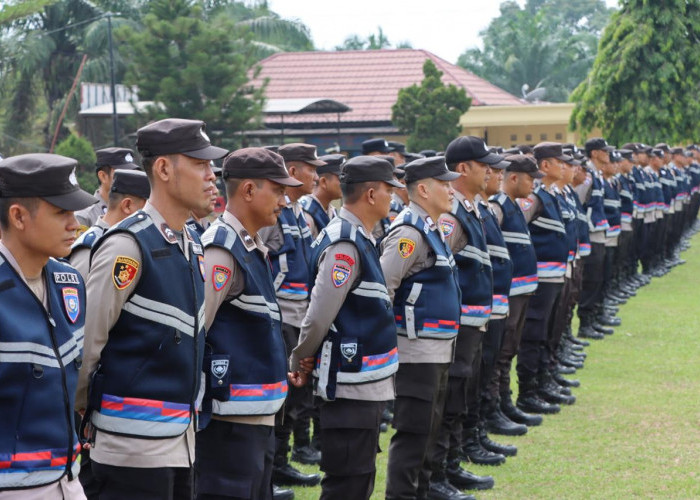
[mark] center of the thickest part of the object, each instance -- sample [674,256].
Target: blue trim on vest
[611,204]
[594,206]
[501,264]
[549,237]
[290,263]
[312,207]
[40,356]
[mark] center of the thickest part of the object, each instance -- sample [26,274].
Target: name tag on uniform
[197,249]
[65,278]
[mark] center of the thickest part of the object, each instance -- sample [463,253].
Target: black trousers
[234,461]
[592,285]
[559,322]
[131,483]
[639,243]
[298,405]
[534,353]
[349,445]
[500,383]
[492,345]
[420,399]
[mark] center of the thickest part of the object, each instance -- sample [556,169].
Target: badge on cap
[204,134]
[73,178]
[71,303]
[128,158]
[124,271]
[340,275]
[406,247]
[220,276]
[447,227]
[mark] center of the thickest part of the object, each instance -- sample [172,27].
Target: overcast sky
[444,27]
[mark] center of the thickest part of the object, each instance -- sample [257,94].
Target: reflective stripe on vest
[146,417]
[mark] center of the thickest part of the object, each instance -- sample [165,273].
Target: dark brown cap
[115,158]
[257,163]
[298,151]
[524,164]
[131,182]
[545,150]
[177,136]
[368,169]
[429,168]
[333,164]
[47,176]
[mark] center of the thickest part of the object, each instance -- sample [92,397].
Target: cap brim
[76,200]
[395,183]
[565,158]
[490,159]
[501,165]
[315,163]
[536,175]
[448,176]
[208,153]
[218,171]
[285,181]
[126,166]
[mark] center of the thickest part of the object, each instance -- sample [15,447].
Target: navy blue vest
[40,355]
[427,303]
[626,197]
[247,367]
[567,208]
[668,186]
[195,227]
[501,264]
[88,238]
[640,193]
[612,208]
[290,264]
[584,237]
[150,369]
[312,207]
[522,253]
[549,237]
[657,198]
[595,208]
[395,207]
[361,344]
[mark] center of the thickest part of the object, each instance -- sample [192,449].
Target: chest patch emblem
[340,275]
[219,367]
[71,303]
[220,277]
[525,204]
[447,227]
[124,272]
[406,247]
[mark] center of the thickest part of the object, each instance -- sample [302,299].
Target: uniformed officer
[108,161]
[421,279]
[145,324]
[349,328]
[537,393]
[399,200]
[128,194]
[517,184]
[42,316]
[374,147]
[245,363]
[317,206]
[199,219]
[462,225]
[289,244]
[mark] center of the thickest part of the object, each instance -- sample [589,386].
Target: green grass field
[634,431]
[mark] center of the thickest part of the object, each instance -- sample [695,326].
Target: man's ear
[163,168]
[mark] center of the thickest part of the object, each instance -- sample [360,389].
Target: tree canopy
[371,42]
[545,43]
[430,112]
[644,83]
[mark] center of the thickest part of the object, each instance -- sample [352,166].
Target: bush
[80,149]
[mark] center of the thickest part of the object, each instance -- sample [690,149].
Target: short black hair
[353,191]
[30,204]
[232,184]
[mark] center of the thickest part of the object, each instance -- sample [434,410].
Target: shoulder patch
[220,276]
[406,247]
[447,227]
[525,204]
[124,271]
[340,274]
[346,258]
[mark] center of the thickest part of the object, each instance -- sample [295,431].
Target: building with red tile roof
[367,81]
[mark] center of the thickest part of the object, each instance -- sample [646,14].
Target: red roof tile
[366,80]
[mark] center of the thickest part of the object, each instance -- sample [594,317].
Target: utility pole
[115,122]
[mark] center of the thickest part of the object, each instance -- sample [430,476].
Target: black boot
[282,494]
[529,400]
[566,382]
[602,329]
[286,475]
[586,330]
[549,391]
[465,480]
[497,423]
[443,490]
[507,450]
[306,454]
[516,415]
[474,452]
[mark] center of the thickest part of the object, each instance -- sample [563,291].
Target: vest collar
[249,242]
[355,221]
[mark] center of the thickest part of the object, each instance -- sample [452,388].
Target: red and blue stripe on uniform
[145,409]
[52,459]
[258,392]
